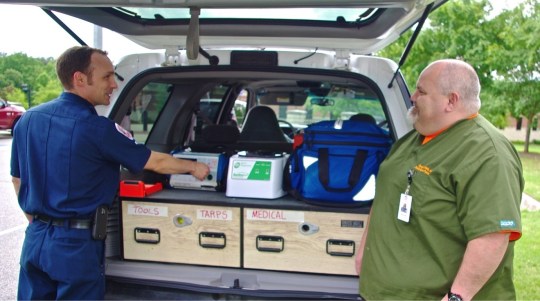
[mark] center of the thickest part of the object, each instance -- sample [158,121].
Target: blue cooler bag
[337,163]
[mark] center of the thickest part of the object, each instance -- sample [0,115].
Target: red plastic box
[138,188]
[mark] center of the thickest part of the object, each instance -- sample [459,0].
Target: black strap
[287,185]
[354,175]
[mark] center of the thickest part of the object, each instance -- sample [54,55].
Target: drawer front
[302,241]
[178,233]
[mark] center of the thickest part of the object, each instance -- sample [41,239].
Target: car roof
[356,26]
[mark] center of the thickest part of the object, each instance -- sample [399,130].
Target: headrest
[261,124]
[363,117]
[220,134]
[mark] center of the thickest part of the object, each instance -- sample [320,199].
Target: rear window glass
[296,103]
[307,14]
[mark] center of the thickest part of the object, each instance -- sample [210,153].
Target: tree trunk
[528,133]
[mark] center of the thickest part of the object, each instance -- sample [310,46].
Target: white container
[255,177]
[211,182]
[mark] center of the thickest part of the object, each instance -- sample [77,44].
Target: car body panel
[363,35]
[9,114]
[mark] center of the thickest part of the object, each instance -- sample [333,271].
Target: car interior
[239,113]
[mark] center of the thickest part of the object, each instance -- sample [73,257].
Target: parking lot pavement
[12,225]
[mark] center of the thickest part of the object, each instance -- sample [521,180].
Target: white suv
[308,60]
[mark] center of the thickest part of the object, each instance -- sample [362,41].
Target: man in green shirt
[446,211]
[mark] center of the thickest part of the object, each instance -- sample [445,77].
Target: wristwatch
[454,297]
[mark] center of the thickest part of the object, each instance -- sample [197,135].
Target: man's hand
[166,164]
[200,170]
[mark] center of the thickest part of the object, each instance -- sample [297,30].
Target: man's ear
[453,101]
[78,78]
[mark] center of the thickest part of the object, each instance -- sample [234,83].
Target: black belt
[74,223]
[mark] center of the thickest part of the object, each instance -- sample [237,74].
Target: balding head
[447,91]
[456,76]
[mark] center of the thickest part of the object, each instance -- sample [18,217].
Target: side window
[240,108]
[145,109]
[211,106]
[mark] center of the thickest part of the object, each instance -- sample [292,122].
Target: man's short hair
[75,59]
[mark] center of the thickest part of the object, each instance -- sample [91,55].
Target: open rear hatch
[359,27]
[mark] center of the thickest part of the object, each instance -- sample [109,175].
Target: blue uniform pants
[60,263]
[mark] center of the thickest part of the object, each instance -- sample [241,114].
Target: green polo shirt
[467,182]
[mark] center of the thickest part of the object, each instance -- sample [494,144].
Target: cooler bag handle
[354,176]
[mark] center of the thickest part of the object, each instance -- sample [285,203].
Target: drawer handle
[147,235]
[267,243]
[209,239]
[338,247]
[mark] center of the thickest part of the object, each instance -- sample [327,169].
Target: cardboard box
[178,233]
[302,241]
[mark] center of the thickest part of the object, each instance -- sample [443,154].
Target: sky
[27,29]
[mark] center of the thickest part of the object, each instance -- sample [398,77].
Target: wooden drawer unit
[179,233]
[302,241]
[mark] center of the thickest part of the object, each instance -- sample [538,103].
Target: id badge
[404,211]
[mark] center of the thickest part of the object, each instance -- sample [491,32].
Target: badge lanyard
[405,201]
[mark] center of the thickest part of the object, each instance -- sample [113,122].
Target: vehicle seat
[261,132]
[216,138]
[363,117]
[261,125]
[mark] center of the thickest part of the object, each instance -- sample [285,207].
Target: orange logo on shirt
[423,168]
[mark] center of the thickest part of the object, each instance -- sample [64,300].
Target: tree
[19,70]
[453,31]
[504,50]
[518,61]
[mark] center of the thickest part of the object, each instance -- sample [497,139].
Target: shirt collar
[432,136]
[76,98]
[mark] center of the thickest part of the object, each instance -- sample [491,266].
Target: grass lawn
[533,147]
[531,173]
[527,258]
[527,249]
[531,168]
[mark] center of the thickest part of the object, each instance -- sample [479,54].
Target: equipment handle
[208,240]
[338,247]
[147,235]
[264,243]
[354,175]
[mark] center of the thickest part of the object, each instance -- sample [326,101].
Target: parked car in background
[9,114]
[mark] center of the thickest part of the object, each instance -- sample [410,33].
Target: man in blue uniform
[65,164]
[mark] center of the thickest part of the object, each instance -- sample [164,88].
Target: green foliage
[503,49]
[458,29]
[518,62]
[18,70]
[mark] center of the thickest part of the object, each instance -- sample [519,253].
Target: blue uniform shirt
[68,158]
